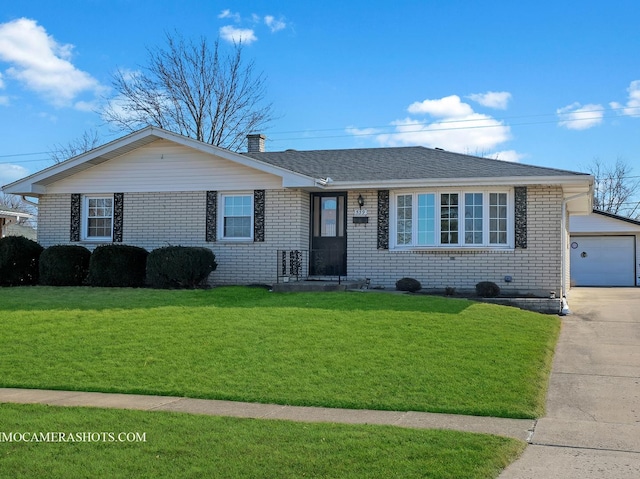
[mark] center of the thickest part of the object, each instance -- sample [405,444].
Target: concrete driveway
[592,426]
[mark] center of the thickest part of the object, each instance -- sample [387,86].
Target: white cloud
[229,14]
[237,35]
[87,106]
[273,24]
[447,107]
[43,65]
[492,99]
[10,173]
[580,117]
[455,126]
[48,116]
[247,34]
[507,155]
[352,130]
[4,100]
[632,108]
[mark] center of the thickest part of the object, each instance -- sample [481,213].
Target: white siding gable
[595,223]
[166,166]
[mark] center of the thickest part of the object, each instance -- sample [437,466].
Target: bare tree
[615,188]
[195,90]
[15,202]
[12,201]
[88,141]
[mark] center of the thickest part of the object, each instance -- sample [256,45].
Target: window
[447,218]
[237,217]
[498,218]
[98,218]
[426,219]
[405,223]
[473,213]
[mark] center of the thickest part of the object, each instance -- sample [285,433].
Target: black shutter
[258,215]
[118,211]
[74,232]
[521,216]
[383,219]
[212,216]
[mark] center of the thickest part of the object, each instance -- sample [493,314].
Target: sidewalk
[514,428]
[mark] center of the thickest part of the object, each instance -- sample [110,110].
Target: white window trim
[460,245]
[84,213]
[221,236]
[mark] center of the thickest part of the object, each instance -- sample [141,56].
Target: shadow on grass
[43,298]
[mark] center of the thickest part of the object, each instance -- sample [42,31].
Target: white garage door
[603,260]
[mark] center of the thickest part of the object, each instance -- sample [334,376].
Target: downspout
[563,250]
[29,202]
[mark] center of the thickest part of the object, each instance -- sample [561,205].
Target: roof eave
[15,214]
[577,181]
[35,184]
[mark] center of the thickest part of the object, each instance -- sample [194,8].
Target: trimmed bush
[117,265]
[179,267]
[408,284]
[19,261]
[64,265]
[487,289]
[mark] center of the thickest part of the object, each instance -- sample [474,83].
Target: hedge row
[25,262]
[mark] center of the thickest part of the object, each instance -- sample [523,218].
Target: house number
[360,212]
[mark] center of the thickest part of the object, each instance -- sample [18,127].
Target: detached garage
[603,250]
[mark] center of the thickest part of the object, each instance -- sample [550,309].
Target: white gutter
[563,250]
[577,180]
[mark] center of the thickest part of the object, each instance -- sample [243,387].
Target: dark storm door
[328,234]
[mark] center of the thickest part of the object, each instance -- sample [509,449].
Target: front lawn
[351,350]
[182,445]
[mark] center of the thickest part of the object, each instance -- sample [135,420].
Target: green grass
[181,445]
[352,350]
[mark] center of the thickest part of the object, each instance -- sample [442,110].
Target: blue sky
[550,83]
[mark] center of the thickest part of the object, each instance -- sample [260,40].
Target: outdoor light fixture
[360,201]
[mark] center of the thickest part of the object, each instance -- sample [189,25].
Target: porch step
[299,286]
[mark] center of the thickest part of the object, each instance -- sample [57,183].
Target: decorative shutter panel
[383,219]
[118,211]
[520,193]
[211,231]
[258,216]
[74,231]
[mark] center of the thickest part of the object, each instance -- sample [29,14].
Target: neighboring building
[444,218]
[604,250]
[14,223]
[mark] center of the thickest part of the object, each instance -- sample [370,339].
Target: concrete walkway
[592,426]
[515,428]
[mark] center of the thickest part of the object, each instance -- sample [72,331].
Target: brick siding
[152,220]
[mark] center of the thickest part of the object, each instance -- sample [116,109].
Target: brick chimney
[255,143]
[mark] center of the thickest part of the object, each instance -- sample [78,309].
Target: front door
[328,234]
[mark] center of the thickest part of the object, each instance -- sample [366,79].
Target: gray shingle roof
[405,163]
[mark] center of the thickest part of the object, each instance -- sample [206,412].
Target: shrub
[408,284]
[179,266]
[64,265]
[19,261]
[117,265]
[487,289]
